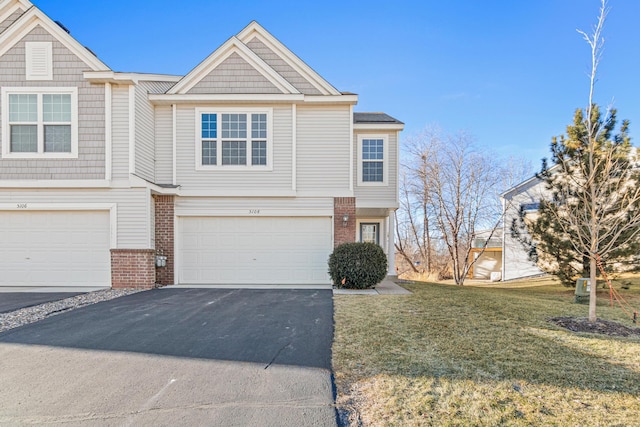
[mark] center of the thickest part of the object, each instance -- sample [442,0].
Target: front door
[370,232]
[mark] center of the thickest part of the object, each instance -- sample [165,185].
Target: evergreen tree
[594,182]
[560,238]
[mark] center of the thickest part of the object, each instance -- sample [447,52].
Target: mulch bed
[605,327]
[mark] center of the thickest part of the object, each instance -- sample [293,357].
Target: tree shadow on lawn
[536,355]
[482,340]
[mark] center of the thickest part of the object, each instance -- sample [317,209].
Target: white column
[391,248]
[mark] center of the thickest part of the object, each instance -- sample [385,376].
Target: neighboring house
[250,169]
[487,253]
[515,259]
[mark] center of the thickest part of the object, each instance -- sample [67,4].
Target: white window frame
[385,160]
[219,112]
[39,91]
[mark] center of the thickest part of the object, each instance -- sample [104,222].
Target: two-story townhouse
[248,170]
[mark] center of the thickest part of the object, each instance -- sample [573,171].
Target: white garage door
[221,250]
[54,248]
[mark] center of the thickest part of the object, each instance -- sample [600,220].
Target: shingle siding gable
[10,20]
[67,72]
[234,75]
[284,69]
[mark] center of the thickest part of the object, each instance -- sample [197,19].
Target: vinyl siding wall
[516,260]
[245,182]
[378,196]
[67,72]
[323,157]
[145,134]
[132,205]
[120,132]
[267,207]
[164,144]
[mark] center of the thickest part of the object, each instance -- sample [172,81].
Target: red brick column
[165,237]
[344,233]
[133,268]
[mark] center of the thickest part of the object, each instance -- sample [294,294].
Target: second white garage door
[247,250]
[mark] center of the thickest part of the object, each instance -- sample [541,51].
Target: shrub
[359,265]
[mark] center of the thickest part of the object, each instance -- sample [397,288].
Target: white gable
[34,18]
[264,65]
[236,48]
[255,33]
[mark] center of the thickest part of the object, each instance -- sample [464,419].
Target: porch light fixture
[345,220]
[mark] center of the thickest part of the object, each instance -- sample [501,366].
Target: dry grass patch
[450,355]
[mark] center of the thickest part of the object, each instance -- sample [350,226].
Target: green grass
[450,355]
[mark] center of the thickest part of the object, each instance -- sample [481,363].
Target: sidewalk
[386,287]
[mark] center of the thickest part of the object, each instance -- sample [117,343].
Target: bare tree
[594,209]
[451,189]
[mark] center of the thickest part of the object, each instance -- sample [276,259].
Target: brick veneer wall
[164,234]
[133,268]
[344,233]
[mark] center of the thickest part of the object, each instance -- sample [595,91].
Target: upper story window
[372,160]
[39,122]
[235,138]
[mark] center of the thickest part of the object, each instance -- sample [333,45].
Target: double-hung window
[39,122]
[233,139]
[373,163]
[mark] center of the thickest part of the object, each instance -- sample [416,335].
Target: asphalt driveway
[175,356]
[12,301]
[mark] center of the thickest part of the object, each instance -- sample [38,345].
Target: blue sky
[509,72]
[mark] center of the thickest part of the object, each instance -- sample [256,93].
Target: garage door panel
[254,250]
[55,248]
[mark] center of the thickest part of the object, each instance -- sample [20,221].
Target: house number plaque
[254,211]
[21,206]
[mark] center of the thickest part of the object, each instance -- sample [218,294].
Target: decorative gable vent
[39,60]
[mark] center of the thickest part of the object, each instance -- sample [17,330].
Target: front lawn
[450,355]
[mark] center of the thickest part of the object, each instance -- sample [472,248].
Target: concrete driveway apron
[228,357]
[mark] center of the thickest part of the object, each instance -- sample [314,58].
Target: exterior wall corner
[133,268]
[165,237]
[344,232]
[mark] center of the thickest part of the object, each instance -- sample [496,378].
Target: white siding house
[515,259]
[246,171]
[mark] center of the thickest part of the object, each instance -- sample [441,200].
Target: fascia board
[378,126]
[233,45]
[167,99]
[127,78]
[34,17]
[249,98]
[331,99]
[288,56]
[9,7]
[516,188]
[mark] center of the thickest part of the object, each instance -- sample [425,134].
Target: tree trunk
[592,294]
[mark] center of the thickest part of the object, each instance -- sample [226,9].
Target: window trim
[233,110]
[376,223]
[39,91]
[385,160]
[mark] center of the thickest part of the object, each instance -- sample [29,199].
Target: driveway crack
[277,354]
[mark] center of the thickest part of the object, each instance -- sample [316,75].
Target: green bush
[359,265]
